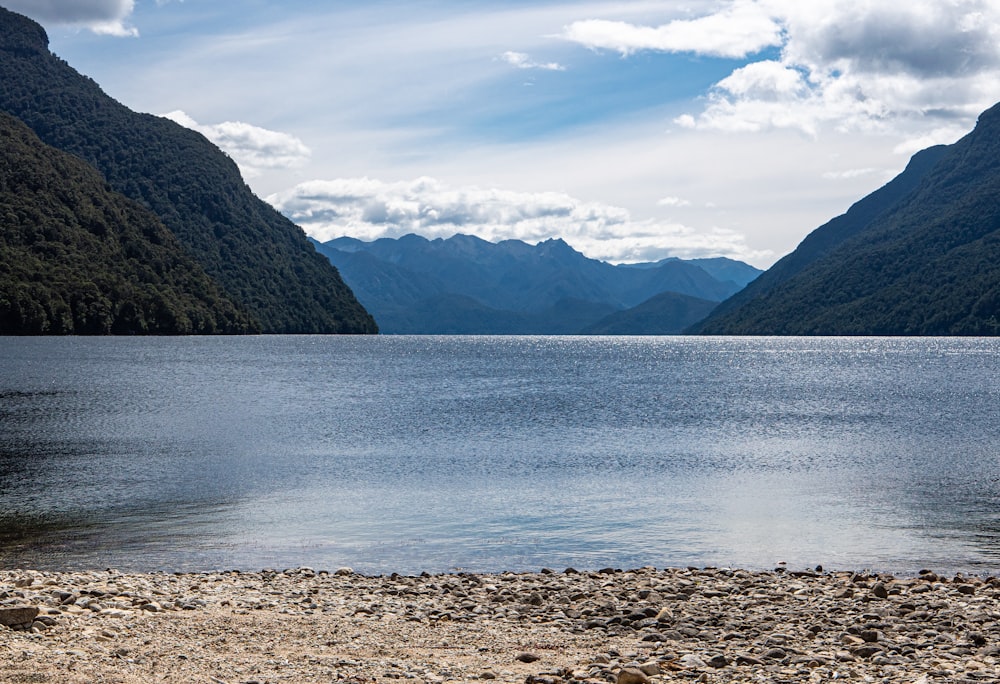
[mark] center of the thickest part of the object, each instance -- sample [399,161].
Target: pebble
[637,626]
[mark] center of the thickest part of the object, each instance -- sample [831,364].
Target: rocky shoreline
[626,627]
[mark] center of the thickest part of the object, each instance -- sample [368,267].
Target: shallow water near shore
[499,453]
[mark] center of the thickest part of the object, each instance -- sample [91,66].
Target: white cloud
[523,61]
[871,66]
[101,16]
[673,202]
[938,136]
[253,148]
[369,209]
[851,174]
[743,28]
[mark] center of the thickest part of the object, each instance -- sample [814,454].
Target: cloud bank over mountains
[370,209]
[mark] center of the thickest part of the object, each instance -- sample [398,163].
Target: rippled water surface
[491,453]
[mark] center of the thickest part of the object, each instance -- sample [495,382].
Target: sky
[632,130]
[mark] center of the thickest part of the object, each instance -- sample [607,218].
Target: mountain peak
[21,35]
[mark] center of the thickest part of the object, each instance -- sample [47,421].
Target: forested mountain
[468,285]
[668,313]
[921,256]
[77,258]
[261,260]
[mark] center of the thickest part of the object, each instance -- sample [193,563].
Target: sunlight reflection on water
[488,453]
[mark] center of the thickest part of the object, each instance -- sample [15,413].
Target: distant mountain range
[920,256]
[467,285]
[258,262]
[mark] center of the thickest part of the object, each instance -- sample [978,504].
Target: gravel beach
[550,627]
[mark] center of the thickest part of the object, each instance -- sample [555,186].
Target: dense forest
[262,261]
[77,258]
[921,256]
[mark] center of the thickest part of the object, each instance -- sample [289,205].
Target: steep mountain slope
[76,258]
[832,234]
[408,283]
[924,261]
[261,259]
[668,313]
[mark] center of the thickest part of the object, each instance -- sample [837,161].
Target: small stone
[977,638]
[879,590]
[718,661]
[527,658]
[344,572]
[967,589]
[488,675]
[692,662]
[632,675]
[866,651]
[650,669]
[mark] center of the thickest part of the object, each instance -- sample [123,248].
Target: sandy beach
[550,627]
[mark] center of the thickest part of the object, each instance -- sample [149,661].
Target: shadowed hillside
[76,258]
[262,260]
[920,256]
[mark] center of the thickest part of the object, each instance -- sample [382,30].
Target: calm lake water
[493,453]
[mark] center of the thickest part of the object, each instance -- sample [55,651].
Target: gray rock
[866,651]
[17,615]
[871,636]
[718,661]
[692,662]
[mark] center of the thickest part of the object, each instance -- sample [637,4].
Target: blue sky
[633,130]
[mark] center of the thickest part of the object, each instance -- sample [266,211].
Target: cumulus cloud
[101,16]
[847,65]
[740,29]
[369,209]
[523,61]
[253,148]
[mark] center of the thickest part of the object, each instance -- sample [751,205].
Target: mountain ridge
[928,263]
[261,259]
[395,277]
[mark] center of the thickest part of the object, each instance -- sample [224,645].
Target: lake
[437,454]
